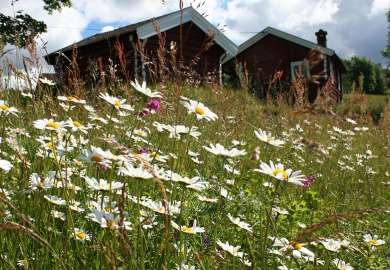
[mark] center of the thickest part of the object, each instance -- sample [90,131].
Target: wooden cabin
[197,44]
[272,51]
[138,50]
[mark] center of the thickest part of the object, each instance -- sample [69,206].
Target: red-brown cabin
[273,52]
[199,46]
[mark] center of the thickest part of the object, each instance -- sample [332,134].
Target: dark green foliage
[376,111]
[19,30]
[363,70]
[52,5]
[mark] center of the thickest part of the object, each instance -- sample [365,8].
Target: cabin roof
[283,35]
[147,29]
[286,36]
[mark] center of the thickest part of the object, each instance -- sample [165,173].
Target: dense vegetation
[366,75]
[172,183]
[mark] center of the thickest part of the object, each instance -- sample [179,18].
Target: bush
[376,111]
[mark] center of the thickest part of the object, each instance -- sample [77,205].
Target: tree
[21,29]
[386,51]
[374,76]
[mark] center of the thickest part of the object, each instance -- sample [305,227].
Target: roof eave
[189,14]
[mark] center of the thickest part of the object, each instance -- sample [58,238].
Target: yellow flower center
[50,146]
[97,158]
[71,98]
[199,110]
[187,229]
[77,124]
[3,107]
[107,209]
[296,245]
[117,104]
[373,242]
[81,235]
[280,171]
[155,154]
[41,184]
[161,210]
[53,125]
[111,224]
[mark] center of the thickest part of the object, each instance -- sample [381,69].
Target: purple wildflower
[206,241]
[309,180]
[154,105]
[143,151]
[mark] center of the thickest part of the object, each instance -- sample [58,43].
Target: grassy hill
[146,186]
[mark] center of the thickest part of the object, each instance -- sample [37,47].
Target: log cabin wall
[198,52]
[269,55]
[98,55]
[272,54]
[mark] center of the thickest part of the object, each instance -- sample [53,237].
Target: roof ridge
[118,31]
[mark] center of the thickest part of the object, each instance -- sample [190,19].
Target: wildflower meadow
[159,177]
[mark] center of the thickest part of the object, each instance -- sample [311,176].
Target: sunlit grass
[153,178]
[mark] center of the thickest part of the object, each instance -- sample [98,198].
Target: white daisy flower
[268,138]
[219,149]
[76,126]
[58,215]
[25,94]
[108,220]
[342,265]
[373,241]
[116,102]
[145,90]
[97,155]
[240,223]
[5,109]
[185,267]
[47,81]
[331,244]
[298,249]
[234,251]
[71,99]
[190,230]
[207,199]
[177,131]
[200,110]
[55,200]
[81,235]
[147,220]
[5,165]
[127,169]
[351,121]
[75,206]
[49,124]
[101,184]
[164,207]
[36,182]
[198,184]
[277,171]
[277,210]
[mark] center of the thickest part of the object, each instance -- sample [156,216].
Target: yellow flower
[199,110]
[53,125]
[4,107]
[282,172]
